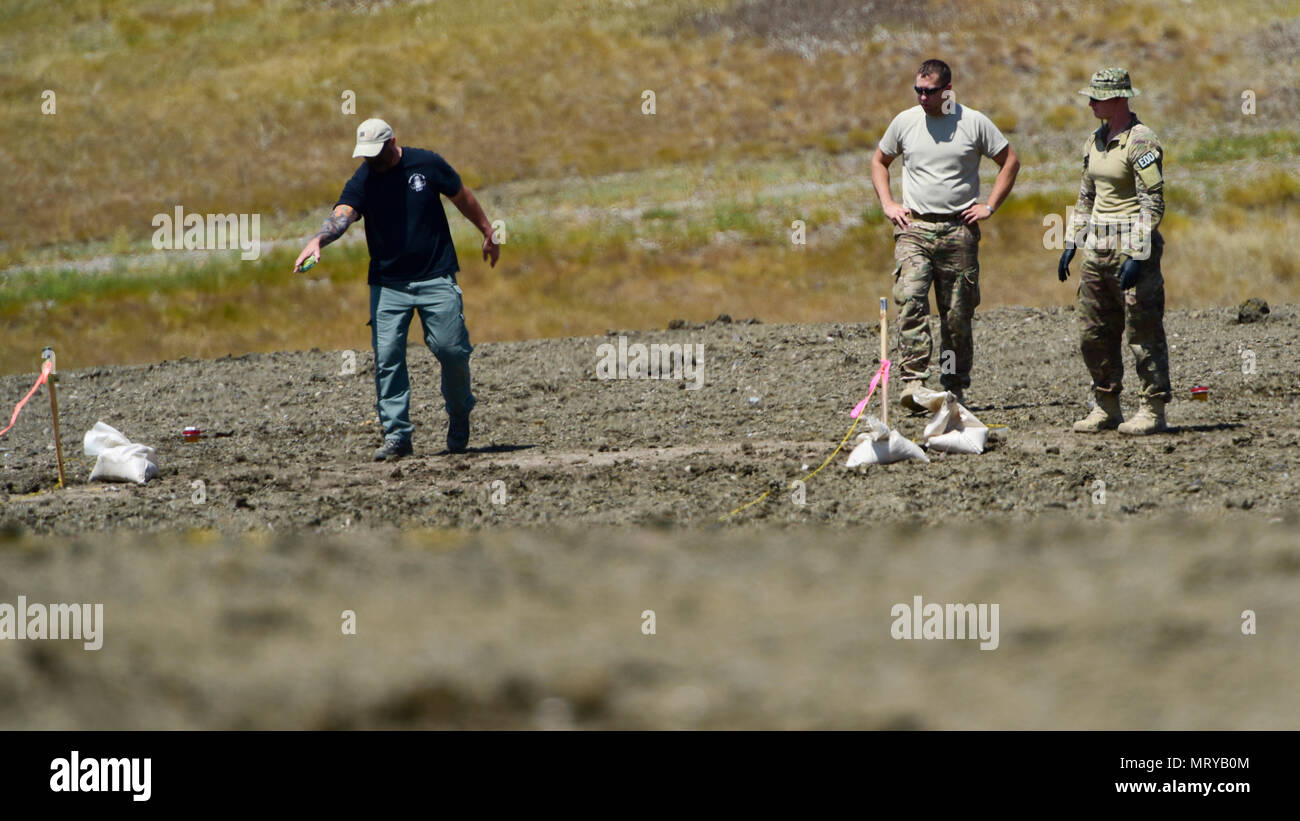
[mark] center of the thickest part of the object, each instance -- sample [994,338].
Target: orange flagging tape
[40,380]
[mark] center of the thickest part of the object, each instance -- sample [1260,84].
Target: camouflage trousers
[1106,312]
[945,254]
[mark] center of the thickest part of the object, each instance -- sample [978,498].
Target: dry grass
[568,276]
[538,103]
[240,109]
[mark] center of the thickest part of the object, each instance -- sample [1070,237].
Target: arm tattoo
[336,223]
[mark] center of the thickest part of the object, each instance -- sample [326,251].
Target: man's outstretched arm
[333,227]
[468,205]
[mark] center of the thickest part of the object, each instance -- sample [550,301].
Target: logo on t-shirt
[416,182]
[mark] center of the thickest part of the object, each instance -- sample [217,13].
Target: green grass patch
[733,216]
[216,272]
[1266,146]
[658,213]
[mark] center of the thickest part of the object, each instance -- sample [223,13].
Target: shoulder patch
[1148,169]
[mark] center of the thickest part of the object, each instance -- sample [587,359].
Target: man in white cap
[412,270]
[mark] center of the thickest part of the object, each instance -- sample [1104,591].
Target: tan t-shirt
[941,156]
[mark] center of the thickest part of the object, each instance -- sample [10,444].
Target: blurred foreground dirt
[505,588]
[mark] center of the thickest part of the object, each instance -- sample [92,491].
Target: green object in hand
[309,263]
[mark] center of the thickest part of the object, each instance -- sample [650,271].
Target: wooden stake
[884,354]
[48,353]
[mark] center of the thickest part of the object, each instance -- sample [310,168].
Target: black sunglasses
[928,92]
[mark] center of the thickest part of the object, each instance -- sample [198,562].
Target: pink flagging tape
[40,380]
[882,373]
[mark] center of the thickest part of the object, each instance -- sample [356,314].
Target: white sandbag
[101,437]
[125,463]
[118,459]
[880,446]
[953,428]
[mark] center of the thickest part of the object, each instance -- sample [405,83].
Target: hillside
[765,113]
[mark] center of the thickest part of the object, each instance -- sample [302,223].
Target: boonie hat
[371,136]
[1108,83]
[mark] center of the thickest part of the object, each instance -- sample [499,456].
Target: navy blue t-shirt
[406,228]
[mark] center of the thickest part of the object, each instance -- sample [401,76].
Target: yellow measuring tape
[804,479]
[856,413]
[838,448]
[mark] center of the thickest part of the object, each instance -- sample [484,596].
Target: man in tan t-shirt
[936,231]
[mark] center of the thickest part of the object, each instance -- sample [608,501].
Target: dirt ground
[507,587]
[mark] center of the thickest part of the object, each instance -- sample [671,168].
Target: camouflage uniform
[1120,205]
[945,252]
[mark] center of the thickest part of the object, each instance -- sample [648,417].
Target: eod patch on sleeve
[1148,168]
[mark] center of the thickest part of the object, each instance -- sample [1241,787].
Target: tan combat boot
[1150,419]
[1105,415]
[908,397]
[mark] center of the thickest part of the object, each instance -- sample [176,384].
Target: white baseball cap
[371,136]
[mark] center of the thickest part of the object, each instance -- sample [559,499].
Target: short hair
[938,67]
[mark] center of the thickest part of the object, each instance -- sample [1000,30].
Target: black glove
[1128,273]
[1063,267]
